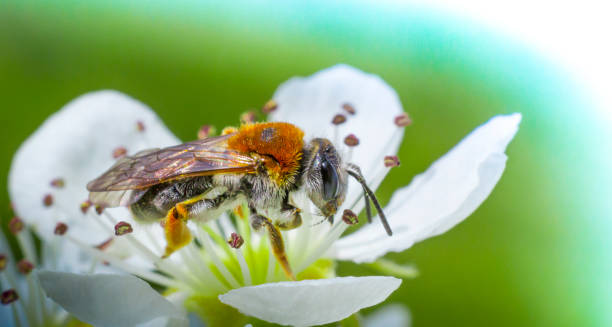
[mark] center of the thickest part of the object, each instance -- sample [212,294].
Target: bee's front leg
[293,216]
[276,240]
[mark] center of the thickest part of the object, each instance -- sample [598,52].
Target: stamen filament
[208,246]
[152,276]
[244,268]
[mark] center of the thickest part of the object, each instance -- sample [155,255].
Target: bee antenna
[355,172]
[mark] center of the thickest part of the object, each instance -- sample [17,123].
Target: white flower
[77,144]
[23,300]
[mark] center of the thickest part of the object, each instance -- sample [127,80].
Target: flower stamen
[349,108]
[9,296]
[119,152]
[60,229]
[58,183]
[15,225]
[122,228]
[269,106]
[403,120]
[25,267]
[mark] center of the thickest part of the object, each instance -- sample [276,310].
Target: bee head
[324,178]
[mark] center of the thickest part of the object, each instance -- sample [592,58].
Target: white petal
[392,315]
[311,302]
[448,192]
[109,300]
[312,102]
[76,144]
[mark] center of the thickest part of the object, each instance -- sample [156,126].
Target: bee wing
[150,167]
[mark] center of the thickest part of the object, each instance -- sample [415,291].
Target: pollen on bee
[282,141]
[248,117]
[229,130]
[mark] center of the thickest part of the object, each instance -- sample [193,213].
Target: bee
[260,164]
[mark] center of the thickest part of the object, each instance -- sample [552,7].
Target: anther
[351,140]
[119,152]
[99,209]
[349,217]
[9,296]
[102,246]
[229,130]
[60,229]
[349,108]
[15,225]
[338,119]
[123,228]
[85,205]
[206,131]
[269,107]
[235,241]
[3,261]
[48,200]
[403,120]
[248,117]
[58,183]
[24,266]
[140,126]
[391,161]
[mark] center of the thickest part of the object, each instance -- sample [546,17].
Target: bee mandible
[260,164]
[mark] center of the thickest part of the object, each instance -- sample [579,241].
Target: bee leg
[294,214]
[276,242]
[175,227]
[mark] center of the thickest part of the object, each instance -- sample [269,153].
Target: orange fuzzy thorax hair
[282,141]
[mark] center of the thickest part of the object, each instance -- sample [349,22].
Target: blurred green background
[535,253]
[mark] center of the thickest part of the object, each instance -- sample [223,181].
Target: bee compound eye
[330,180]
